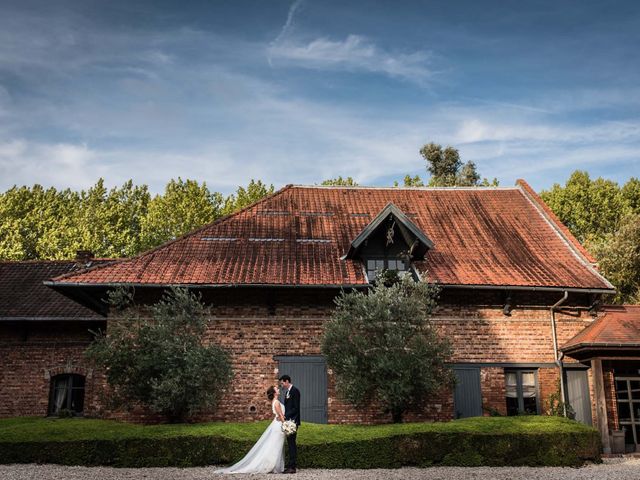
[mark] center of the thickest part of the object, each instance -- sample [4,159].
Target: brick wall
[257,325]
[31,354]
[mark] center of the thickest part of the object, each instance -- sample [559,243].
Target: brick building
[516,287]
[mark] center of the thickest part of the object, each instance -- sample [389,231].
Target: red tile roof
[619,326]
[23,296]
[297,236]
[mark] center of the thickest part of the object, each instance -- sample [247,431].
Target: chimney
[84,256]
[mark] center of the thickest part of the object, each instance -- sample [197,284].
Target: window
[67,393]
[374,265]
[521,390]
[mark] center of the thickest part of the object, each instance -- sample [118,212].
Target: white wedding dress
[267,455]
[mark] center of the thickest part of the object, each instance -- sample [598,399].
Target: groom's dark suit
[292,412]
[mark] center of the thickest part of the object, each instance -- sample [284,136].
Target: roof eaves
[51,319]
[534,288]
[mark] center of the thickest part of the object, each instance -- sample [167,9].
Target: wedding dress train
[267,455]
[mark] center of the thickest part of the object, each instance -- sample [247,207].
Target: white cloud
[354,53]
[289,22]
[63,164]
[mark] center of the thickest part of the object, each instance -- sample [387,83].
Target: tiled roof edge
[565,234]
[526,188]
[60,279]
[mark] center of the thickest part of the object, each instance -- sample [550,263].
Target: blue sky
[300,91]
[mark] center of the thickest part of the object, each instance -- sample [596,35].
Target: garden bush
[529,440]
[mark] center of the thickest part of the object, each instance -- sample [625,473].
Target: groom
[291,412]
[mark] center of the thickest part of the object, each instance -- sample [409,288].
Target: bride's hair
[271,392]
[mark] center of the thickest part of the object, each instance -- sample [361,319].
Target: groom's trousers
[293,450]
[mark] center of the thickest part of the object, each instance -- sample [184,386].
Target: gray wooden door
[578,394]
[309,375]
[467,396]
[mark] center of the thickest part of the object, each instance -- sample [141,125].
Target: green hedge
[471,442]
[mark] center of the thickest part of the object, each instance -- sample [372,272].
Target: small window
[521,392]
[67,393]
[376,265]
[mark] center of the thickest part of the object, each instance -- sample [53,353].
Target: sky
[304,90]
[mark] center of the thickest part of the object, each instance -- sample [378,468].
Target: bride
[266,456]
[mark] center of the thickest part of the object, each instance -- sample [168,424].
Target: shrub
[528,440]
[159,360]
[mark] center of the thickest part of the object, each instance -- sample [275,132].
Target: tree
[382,347]
[591,209]
[184,206]
[447,170]
[443,165]
[619,257]
[410,181]
[244,197]
[468,176]
[109,222]
[158,359]
[339,181]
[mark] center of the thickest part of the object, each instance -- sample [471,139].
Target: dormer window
[375,265]
[390,242]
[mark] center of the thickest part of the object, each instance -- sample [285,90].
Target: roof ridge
[365,187]
[182,237]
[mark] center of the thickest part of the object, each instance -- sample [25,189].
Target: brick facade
[258,326]
[30,355]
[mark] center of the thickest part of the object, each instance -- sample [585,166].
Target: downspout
[558,359]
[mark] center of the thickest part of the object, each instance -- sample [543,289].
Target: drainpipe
[558,359]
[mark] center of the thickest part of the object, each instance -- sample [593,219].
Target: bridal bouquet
[289,427]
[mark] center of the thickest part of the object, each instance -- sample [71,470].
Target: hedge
[533,441]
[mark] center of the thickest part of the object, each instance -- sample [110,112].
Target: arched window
[67,393]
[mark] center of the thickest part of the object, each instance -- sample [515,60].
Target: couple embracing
[267,456]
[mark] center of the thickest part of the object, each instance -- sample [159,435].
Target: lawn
[530,440]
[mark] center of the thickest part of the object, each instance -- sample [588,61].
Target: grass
[30,429]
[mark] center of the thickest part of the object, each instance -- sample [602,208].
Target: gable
[391,232]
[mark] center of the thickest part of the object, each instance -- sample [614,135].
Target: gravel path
[614,469]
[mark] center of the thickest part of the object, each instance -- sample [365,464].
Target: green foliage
[591,209]
[556,407]
[244,197]
[339,181]
[619,258]
[382,347]
[185,206]
[447,170]
[38,223]
[410,181]
[604,216]
[443,165]
[530,440]
[157,358]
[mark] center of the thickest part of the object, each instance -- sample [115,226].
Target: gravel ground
[612,469]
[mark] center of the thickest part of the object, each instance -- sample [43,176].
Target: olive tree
[156,357]
[383,348]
